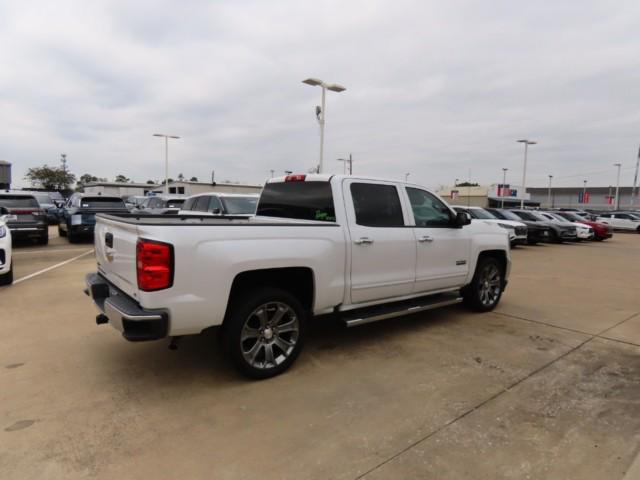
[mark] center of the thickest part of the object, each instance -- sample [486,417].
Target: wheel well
[499,255]
[296,280]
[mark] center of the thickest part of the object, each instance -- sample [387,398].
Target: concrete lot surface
[545,387]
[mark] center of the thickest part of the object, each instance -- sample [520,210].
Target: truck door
[442,249]
[383,249]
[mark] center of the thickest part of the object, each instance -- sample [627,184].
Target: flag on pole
[454,194]
[635,180]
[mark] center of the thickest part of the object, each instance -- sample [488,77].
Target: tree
[50,178]
[180,177]
[193,179]
[122,179]
[170,181]
[467,184]
[150,182]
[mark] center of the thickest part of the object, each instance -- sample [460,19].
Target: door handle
[363,241]
[425,238]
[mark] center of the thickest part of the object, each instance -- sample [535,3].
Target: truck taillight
[295,178]
[154,262]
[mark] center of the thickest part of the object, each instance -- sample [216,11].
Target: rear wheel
[44,239]
[61,232]
[264,332]
[73,237]
[485,290]
[7,278]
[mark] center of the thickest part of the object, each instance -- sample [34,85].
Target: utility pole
[524,170]
[549,195]
[166,158]
[272,172]
[635,181]
[617,204]
[504,183]
[347,161]
[63,160]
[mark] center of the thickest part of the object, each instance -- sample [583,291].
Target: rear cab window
[300,200]
[102,202]
[18,201]
[377,205]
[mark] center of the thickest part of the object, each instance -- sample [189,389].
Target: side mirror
[462,219]
[216,211]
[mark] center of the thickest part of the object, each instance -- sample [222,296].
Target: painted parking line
[49,250]
[52,267]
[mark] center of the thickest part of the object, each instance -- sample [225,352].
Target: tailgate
[115,244]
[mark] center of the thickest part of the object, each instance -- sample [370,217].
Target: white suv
[6,267]
[517,230]
[621,221]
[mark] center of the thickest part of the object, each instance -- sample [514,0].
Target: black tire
[44,239]
[61,232]
[481,295]
[7,278]
[73,237]
[244,320]
[554,237]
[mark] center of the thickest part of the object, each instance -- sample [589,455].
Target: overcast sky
[434,88]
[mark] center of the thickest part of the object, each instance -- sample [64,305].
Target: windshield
[175,203]
[481,213]
[507,215]
[560,218]
[571,216]
[43,198]
[239,205]
[528,216]
[18,201]
[102,202]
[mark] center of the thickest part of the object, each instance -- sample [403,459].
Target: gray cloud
[433,88]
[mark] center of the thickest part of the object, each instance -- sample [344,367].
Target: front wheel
[485,290]
[7,278]
[264,332]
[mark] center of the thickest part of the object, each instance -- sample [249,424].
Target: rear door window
[377,205]
[202,204]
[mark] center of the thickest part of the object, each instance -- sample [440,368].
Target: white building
[119,189]
[192,188]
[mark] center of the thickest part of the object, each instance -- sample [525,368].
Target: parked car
[6,265]
[583,231]
[25,218]
[359,248]
[516,229]
[160,205]
[558,233]
[601,231]
[221,204]
[133,201]
[78,216]
[47,204]
[621,221]
[536,232]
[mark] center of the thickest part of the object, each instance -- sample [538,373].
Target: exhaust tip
[102,318]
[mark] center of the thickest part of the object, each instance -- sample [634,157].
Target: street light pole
[504,182]
[617,185]
[320,111]
[549,193]
[524,170]
[584,191]
[166,158]
[347,161]
[406,176]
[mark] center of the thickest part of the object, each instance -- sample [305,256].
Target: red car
[600,230]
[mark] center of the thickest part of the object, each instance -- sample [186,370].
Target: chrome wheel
[269,335]
[489,285]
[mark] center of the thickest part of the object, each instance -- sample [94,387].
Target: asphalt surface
[545,387]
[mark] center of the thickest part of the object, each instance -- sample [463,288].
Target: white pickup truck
[360,248]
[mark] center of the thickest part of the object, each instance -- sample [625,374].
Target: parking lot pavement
[548,386]
[30,258]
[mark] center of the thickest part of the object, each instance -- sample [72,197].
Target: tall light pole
[504,182]
[406,176]
[347,161]
[549,194]
[334,87]
[166,158]
[617,186]
[584,191]
[524,170]
[455,183]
